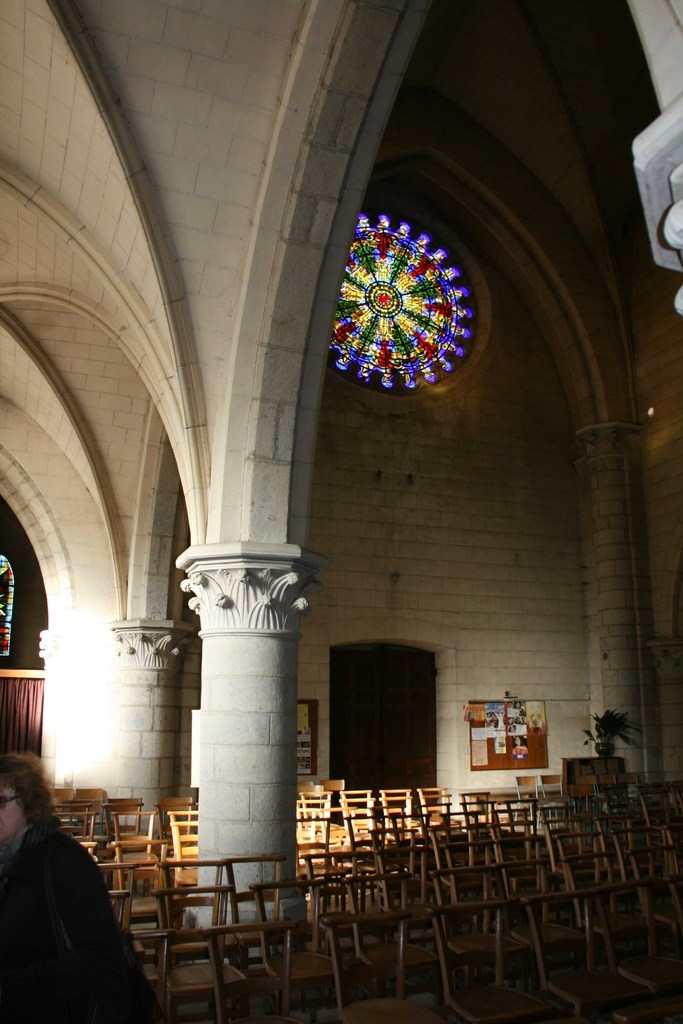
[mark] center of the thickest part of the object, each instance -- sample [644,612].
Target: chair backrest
[93,793]
[272,902]
[333,785]
[240,872]
[313,811]
[360,813]
[551,785]
[170,803]
[575,909]
[184,906]
[396,801]
[62,794]
[118,805]
[78,818]
[476,807]
[304,786]
[185,837]
[434,800]
[231,985]
[353,968]
[131,823]
[527,786]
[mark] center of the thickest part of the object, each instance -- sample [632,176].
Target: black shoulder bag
[143,1007]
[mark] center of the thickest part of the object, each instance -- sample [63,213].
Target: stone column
[250,598]
[150,655]
[668,658]
[618,601]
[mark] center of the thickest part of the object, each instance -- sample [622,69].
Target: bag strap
[59,931]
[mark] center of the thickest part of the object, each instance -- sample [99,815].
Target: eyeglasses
[4,800]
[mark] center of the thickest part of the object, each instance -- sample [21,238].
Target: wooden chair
[395,892]
[189,978]
[91,793]
[476,808]
[62,794]
[120,905]
[396,806]
[166,804]
[241,871]
[313,818]
[476,982]
[527,786]
[651,857]
[550,785]
[151,947]
[359,812]
[185,843]
[661,975]
[124,817]
[312,973]
[352,940]
[652,1010]
[658,804]
[434,806]
[334,787]
[135,869]
[233,988]
[586,989]
[77,818]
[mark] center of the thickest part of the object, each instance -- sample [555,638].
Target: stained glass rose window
[401,318]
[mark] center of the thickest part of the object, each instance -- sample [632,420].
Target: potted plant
[611,725]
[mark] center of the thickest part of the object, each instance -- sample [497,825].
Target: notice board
[306,737]
[507,734]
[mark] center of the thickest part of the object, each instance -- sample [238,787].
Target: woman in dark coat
[78,978]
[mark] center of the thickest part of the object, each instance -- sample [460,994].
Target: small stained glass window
[401,316]
[6,604]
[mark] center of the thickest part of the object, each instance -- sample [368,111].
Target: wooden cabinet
[576,770]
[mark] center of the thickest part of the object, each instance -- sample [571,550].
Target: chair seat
[554,936]
[490,1004]
[484,945]
[393,1011]
[415,956]
[595,989]
[195,978]
[306,965]
[661,974]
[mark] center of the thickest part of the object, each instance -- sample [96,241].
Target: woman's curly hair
[24,773]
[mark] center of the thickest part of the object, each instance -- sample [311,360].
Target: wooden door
[382,717]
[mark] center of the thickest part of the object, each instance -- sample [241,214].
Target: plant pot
[604,748]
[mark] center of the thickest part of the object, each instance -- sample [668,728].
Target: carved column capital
[668,656]
[604,439]
[250,588]
[151,645]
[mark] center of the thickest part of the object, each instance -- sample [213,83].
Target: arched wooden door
[382,717]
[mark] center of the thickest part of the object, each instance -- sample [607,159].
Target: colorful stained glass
[400,315]
[6,604]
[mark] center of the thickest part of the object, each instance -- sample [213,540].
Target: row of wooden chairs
[91,816]
[497,958]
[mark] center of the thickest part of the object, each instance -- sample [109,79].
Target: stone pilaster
[150,655]
[618,603]
[668,659]
[250,599]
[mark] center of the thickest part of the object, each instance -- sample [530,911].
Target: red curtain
[21,715]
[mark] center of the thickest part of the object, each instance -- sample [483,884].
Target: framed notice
[306,737]
[507,734]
